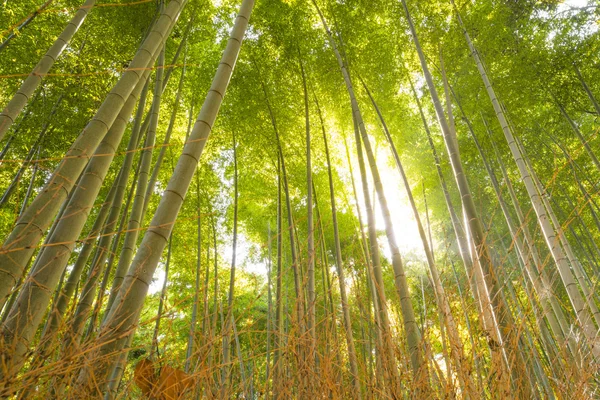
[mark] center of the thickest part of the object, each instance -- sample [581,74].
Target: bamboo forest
[299,199]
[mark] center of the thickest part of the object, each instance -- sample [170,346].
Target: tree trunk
[34,297]
[588,296]
[583,141]
[587,90]
[579,305]
[278,360]
[154,348]
[165,145]
[226,368]
[19,100]
[291,229]
[456,349]
[35,147]
[192,334]
[410,325]
[127,306]
[508,333]
[269,312]
[310,249]
[388,356]
[340,271]
[21,242]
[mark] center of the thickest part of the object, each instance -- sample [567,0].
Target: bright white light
[158,279]
[572,3]
[243,259]
[405,226]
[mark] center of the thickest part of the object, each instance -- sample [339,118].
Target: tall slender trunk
[138,209]
[380,358]
[465,309]
[540,286]
[21,242]
[291,229]
[206,341]
[541,268]
[192,334]
[269,312]
[154,348]
[238,350]
[23,24]
[117,372]
[128,303]
[113,252]
[34,148]
[456,349]
[578,302]
[470,263]
[213,329]
[20,99]
[583,141]
[30,306]
[165,145]
[461,238]
[18,126]
[508,333]
[310,249]
[278,360]
[589,200]
[388,354]
[31,184]
[340,272]
[229,321]
[298,287]
[539,279]
[578,271]
[587,89]
[410,324]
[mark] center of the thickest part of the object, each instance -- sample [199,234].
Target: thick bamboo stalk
[552,240]
[20,99]
[64,293]
[138,209]
[540,285]
[503,315]
[28,310]
[456,348]
[578,272]
[545,276]
[21,242]
[128,303]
